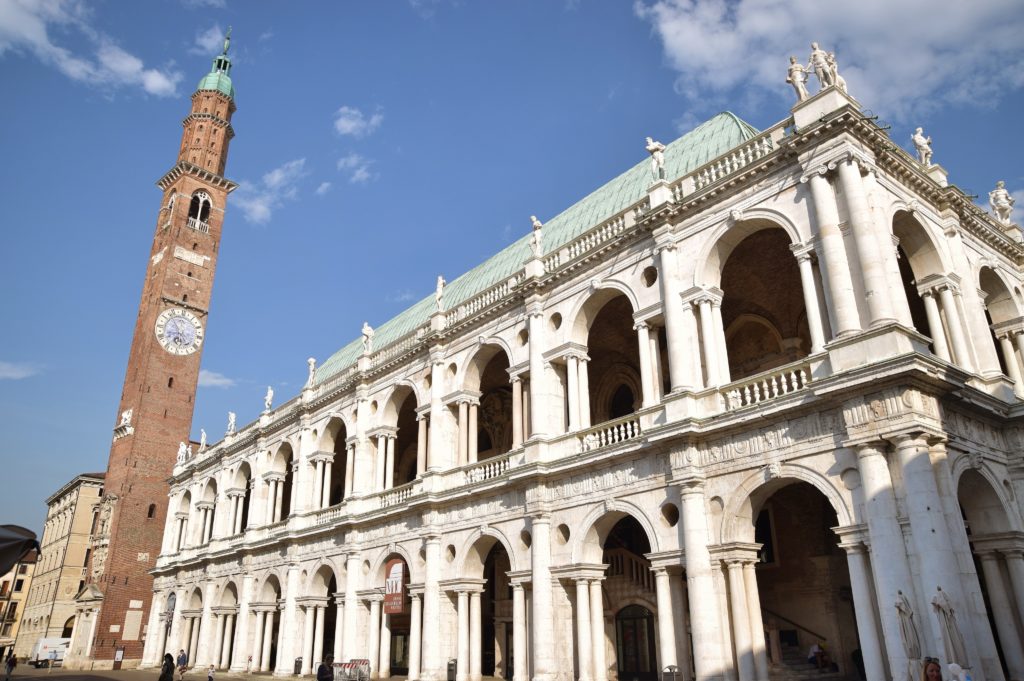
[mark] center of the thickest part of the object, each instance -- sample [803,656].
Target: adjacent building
[60,573]
[14,590]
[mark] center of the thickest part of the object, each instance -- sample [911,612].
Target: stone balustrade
[739,158]
[609,433]
[767,386]
[488,469]
[482,300]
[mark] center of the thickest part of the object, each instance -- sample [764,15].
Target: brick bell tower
[155,414]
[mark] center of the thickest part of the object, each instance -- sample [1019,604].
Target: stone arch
[376,573]
[586,308]
[185,502]
[336,424]
[209,488]
[738,516]
[476,547]
[724,239]
[281,457]
[486,373]
[618,375]
[999,300]
[587,546]
[760,339]
[924,256]
[228,596]
[983,499]
[270,588]
[194,600]
[395,400]
[473,368]
[320,578]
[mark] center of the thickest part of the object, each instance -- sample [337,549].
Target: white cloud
[219,4]
[900,57]
[25,27]
[17,370]
[209,42]
[323,188]
[403,296]
[358,168]
[351,121]
[259,199]
[211,379]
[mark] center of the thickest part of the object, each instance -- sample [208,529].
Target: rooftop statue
[268,399]
[202,440]
[536,243]
[439,293]
[657,152]
[182,452]
[231,423]
[227,41]
[1001,202]
[367,337]
[797,77]
[311,363]
[924,147]
[818,64]
[833,68]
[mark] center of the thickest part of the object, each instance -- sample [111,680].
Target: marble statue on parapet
[1001,202]
[202,440]
[923,145]
[439,293]
[657,152]
[536,238]
[833,69]
[126,417]
[268,399]
[231,423]
[182,452]
[367,338]
[818,64]
[311,363]
[797,77]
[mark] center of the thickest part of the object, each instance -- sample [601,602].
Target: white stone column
[433,665]
[318,639]
[352,605]
[463,431]
[872,263]
[308,633]
[268,640]
[373,636]
[938,333]
[240,647]
[691,358]
[421,444]
[279,499]
[436,445]
[519,671]
[1002,612]
[1012,366]
[218,645]
[666,618]
[889,557]
[679,363]
[296,497]
[517,411]
[837,267]
[271,502]
[318,484]
[462,648]
[389,462]
[864,610]
[537,417]
[474,408]
[415,637]
[326,500]
[721,349]
[193,643]
[756,622]
[584,387]
[350,469]
[803,259]
[380,461]
[257,640]
[708,338]
[740,621]
[681,608]
[545,666]
[385,647]
[597,636]
[644,342]
[1018,337]
[956,327]
[1014,559]
[207,626]
[288,647]
[656,379]
[584,640]
[339,627]
[475,638]
[229,641]
[707,659]
[572,385]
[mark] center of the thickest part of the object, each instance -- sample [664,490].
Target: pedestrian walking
[182,664]
[167,668]
[12,662]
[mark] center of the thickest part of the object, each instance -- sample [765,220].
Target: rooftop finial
[227,41]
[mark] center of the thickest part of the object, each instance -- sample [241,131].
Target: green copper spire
[218,78]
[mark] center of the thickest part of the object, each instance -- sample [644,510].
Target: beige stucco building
[767,400]
[14,591]
[60,573]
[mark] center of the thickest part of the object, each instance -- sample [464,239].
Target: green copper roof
[707,141]
[218,78]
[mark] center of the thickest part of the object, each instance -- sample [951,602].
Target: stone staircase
[794,666]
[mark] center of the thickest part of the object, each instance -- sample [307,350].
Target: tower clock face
[179,331]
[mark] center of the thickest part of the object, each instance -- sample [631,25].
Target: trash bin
[453,669]
[298,665]
[670,673]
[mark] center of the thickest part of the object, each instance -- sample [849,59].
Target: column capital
[690,481]
[803,251]
[813,172]
[909,438]
[871,448]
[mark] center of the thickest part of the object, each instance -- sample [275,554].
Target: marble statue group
[824,67]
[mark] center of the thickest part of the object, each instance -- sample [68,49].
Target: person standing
[167,668]
[12,662]
[182,663]
[325,672]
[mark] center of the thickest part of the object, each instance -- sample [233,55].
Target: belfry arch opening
[763,312]
[200,206]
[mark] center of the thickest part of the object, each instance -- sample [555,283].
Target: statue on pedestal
[536,243]
[657,152]
[439,293]
[797,77]
[924,147]
[818,63]
[311,363]
[1001,202]
[182,452]
[202,440]
[367,338]
[268,399]
[231,423]
[833,69]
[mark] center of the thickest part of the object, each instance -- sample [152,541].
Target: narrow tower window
[170,382]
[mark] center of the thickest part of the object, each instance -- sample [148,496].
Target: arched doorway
[803,579]
[488,559]
[634,644]
[997,549]
[266,629]
[395,624]
[69,626]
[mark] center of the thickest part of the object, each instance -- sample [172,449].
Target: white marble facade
[581,469]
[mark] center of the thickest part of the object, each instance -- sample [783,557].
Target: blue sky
[380,144]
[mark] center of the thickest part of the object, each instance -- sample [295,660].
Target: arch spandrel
[738,516]
[587,545]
